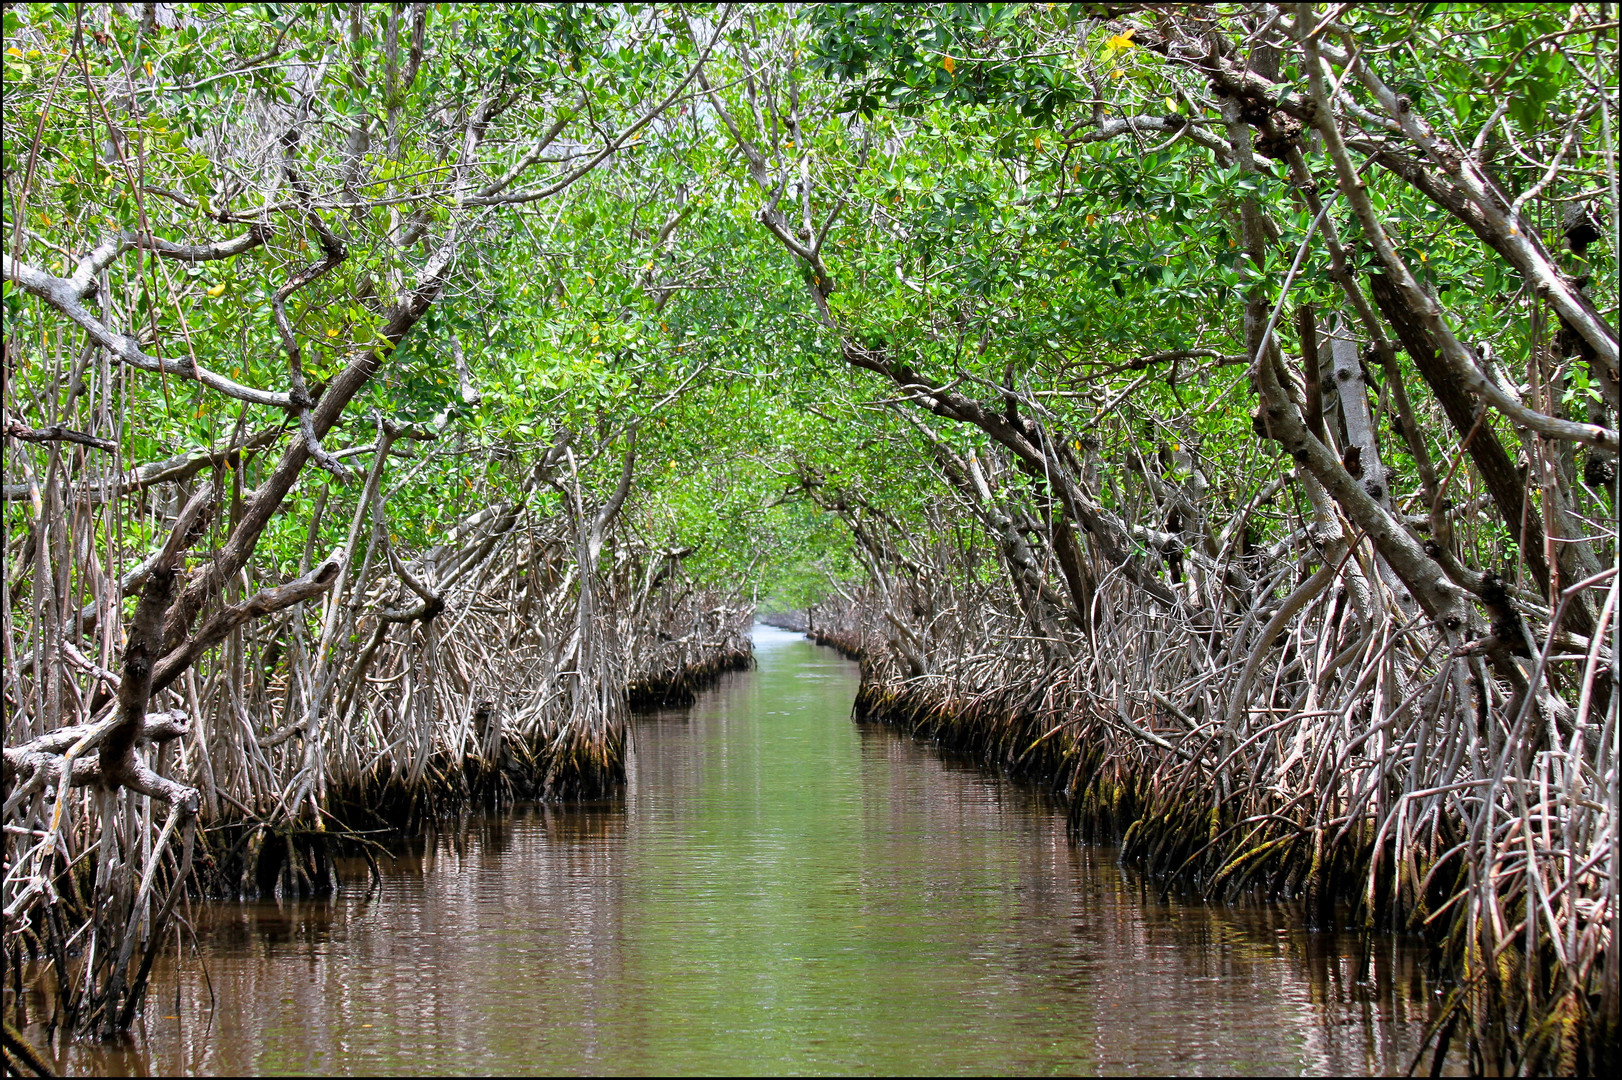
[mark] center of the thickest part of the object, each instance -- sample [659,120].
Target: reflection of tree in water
[1360,1005]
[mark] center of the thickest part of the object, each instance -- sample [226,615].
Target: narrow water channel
[780,890]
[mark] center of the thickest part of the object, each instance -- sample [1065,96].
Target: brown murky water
[779,891]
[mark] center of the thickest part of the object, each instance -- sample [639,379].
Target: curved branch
[64,296]
[262,603]
[55,433]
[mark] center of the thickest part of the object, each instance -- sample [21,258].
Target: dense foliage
[1274,342]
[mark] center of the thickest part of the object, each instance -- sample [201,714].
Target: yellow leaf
[217,290]
[332,333]
[1039,142]
[1121,41]
[14,51]
[149,69]
[949,64]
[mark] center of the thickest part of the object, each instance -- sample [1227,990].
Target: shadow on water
[778,890]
